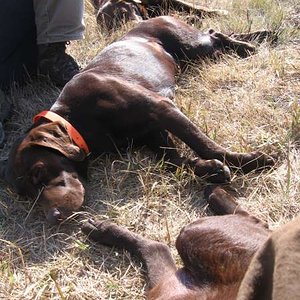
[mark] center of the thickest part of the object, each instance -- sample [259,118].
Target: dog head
[45,164]
[113,13]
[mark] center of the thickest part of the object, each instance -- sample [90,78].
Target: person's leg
[57,22]
[5,108]
[18,50]
[155,256]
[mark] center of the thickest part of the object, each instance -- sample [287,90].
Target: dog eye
[37,173]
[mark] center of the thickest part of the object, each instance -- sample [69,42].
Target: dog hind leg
[185,42]
[259,36]
[192,8]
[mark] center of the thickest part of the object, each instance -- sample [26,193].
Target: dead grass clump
[244,104]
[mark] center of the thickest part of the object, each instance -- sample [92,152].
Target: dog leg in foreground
[215,251]
[155,255]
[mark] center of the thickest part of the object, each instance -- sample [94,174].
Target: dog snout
[54,216]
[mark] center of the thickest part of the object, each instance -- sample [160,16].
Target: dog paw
[98,231]
[256,160]
[257,36]
[228,44]
[105,233]
[220,201]
[212,170]
[243,49]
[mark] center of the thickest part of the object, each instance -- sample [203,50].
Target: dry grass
[243,104]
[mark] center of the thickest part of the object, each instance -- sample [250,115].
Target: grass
[242,104]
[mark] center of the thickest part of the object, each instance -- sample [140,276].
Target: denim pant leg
[58,20]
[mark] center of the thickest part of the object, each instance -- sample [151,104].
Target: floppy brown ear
[55,136]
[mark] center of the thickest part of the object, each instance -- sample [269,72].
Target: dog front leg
[155,256]
[170,118]
[163,145]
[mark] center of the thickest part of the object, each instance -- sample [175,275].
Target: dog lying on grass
[230,256]
[112,13]
[124,97]
[216,251]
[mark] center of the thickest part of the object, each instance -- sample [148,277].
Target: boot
[53,61]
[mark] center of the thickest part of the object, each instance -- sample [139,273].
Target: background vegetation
[242,104]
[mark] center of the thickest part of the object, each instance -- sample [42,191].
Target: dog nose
[54,216]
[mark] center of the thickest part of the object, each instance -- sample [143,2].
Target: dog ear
[55,136]
[37,173]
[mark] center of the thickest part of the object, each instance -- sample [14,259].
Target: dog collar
[73,133]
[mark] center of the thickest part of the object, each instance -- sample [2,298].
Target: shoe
[53,61]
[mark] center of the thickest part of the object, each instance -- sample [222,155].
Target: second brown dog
[216,251]
[112,13]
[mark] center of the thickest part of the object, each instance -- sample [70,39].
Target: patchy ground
[243,104]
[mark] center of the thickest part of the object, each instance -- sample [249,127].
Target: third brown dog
[124,97]
[112,13]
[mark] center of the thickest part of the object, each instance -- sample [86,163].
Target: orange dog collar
[73,133]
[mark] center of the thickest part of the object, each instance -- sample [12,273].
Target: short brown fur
[118,100]
[112,13]
[216,252]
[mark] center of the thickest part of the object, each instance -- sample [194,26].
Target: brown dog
[112,13]
[216,251]
[123,96]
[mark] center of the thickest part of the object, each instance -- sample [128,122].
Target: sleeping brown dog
[123,97]
[216,251]
[112,13]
